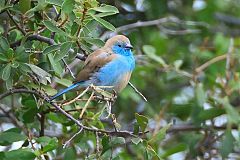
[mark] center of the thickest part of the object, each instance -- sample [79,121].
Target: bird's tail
[66,90]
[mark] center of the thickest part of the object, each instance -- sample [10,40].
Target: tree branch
[16,24]
[34,37]
[156,22]
[46,98]
[189,127]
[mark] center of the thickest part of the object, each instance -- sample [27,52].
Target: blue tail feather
[65,90]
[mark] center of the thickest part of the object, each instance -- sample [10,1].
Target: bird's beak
[129,46]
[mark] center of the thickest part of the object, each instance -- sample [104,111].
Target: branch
[156,22]
[137,91]
[228,61]
[218,58]
[189,127]
[12,118]
[16,24]
[227,18]
[46,98]
[68,68]
[34,37]
[211,61]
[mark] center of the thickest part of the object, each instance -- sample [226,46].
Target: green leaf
[52,26]
[3,58]
[136,140]
[94,41]
[227,144]
[152,152]
[49,90]
[15,64]
[43,140]
[150,51]
[142,121]
[70,153]
[40,72]
[200,94]
[74,28]
[4,43]
[104,23]
[51,48]
[10,53]
[160,135]
[2,154]
[55,2]
[6,72]
[64,49]
[7,138]
[106,8]
[20,154]
[105,144]
[56,118]
[16,130]
[178,148]
[55,65]
[9,83]
[104,14]
[30,110]
[68,6]
[4,7]
[178,63]
[136,128]
[24,5]
[211,113]
[232,113]
[48,143]
[64,82]
[221,42]
[117,141]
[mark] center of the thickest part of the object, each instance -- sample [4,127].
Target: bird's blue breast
[114,72]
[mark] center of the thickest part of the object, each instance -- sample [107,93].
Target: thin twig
[56,19]
[73,100]
[156,22]
[136,90]
[97,145]
[12,118]
[42,124]
[228,60]
[82,19]
[16,24]
[68,68]
[85,106]
[210,62]
[67,142]
[178,32]
[189,127]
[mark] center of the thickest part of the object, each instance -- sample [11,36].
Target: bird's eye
[119,45]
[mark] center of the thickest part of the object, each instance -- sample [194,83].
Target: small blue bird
[110,65]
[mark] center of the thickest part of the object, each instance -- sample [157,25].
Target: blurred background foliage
[187,56]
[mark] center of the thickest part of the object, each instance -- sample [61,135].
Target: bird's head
[119,44]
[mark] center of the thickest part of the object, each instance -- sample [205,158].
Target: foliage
[187,56]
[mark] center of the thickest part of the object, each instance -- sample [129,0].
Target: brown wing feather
[94,62]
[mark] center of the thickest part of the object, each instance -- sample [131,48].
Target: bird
[110,65]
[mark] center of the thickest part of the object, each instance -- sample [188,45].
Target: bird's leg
[114,97]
